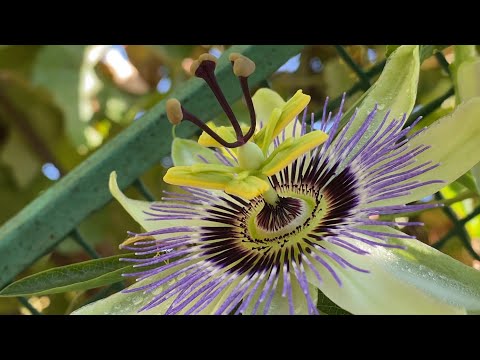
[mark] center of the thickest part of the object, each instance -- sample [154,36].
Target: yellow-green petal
[128,303]
[264,101]
[419,280]
[464,54]
[290,150]
[232,180]
[186,152]
[454,141]
[247,188]
[394,91]
[290,110]
[206,176]
[468,86]
[135,208]
[280,304]
[266,143]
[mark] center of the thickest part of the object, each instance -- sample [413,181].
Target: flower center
[287,212]
[268,226]
[308,210]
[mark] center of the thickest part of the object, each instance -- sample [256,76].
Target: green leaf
[80,276]
[476,175]
[19,58]
[468,181]
[328,307]
[67,71]
[13,195]
[428,50]
[22,162]
[32,131]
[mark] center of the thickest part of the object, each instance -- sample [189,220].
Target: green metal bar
[78,238]
[460,230]
[428,108]
[364,79]
[470,216]
[142,189]
[460,224]
[470,249]
[441,243]
[48,219]
[443,62]
[30,308]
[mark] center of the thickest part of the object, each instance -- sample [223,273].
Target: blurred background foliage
[59,104]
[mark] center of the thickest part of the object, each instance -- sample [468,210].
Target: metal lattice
[86,187]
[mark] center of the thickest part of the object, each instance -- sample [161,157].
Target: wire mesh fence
[82,188]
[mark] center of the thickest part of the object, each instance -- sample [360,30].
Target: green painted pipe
[41,225]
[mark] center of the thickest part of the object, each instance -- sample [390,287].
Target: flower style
[269,217]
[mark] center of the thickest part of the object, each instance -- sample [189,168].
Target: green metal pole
[41,225]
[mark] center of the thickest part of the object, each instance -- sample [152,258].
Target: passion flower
[280,210]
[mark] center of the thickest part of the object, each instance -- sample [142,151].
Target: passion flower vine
[279,210]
